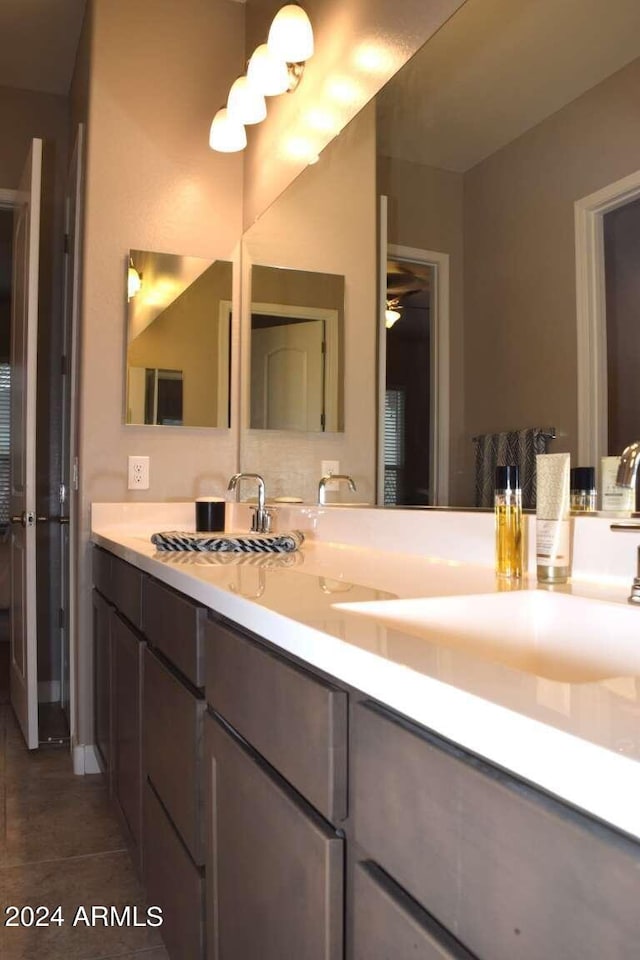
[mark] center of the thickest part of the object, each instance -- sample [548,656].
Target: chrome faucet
[322,486]
[626,477]
[261,522]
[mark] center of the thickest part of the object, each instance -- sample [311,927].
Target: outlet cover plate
[138,473]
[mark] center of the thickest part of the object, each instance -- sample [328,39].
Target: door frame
[440,425]
[591,313]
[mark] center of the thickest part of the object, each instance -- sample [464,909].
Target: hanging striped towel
[512,448]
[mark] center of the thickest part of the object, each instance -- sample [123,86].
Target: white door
[24,329]
[287,376]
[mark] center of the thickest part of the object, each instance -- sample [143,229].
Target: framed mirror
[501,148]
[178,340]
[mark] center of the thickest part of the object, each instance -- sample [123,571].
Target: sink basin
[552,635]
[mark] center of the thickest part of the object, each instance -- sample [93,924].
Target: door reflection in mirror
[296,350]
[178,341]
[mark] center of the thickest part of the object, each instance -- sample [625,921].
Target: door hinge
[62,619]
[324,346]
[62,493]
[322,422]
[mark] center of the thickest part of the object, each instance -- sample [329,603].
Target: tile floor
[61,845]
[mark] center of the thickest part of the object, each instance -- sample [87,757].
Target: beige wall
[359,45]
[519,231]
[325,221]
[158,71]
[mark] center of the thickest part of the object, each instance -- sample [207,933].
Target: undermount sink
[557,636]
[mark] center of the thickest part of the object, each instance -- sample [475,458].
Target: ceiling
[39,43]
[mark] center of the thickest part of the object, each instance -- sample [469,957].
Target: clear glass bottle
[508,514]
[583,490]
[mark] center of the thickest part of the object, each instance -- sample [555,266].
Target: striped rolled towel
[228,542]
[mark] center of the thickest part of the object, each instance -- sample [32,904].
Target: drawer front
[101,571]
[513,874]
[175,625]
[296,721]
[276,867]
[173,883]
[126,590]
[127,671]
[173,750]
[387,923]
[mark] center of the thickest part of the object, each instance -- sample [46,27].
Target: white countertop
[579,741]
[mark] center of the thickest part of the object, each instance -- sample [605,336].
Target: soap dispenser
[508,514]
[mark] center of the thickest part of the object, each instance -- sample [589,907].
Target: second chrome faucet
[322,486]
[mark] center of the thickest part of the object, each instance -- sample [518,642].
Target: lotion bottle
[553,538]
[508,514]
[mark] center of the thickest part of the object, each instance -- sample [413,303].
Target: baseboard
[85,760]
[48,691]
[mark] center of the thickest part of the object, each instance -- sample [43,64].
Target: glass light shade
[291,35]
[245,103]
[267,73]
[226,135]
[134,281]
[390,317]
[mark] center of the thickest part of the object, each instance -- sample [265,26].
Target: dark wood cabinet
[127,697]
[388,925]
[512,873]
[275,867]
[103,683]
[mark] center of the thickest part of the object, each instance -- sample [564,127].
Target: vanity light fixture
[275,67]
[134,281]
[291,40]
[245,103]
[267,73]
[227,135]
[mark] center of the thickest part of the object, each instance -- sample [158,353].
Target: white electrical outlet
[138,473]
[328,468]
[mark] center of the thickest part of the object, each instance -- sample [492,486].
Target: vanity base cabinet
[127,701]
[103,684]
[274,867]
[388,925]
[512,873]
[172,882]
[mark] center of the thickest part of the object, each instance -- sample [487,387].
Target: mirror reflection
[178,340]
[296,335]
[506,162]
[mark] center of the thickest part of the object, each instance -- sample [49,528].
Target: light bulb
[267,73]
[291,35]
[390,317]
[226,135]
[245,103]
[134,281]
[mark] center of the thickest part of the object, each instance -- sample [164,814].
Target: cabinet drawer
[173,750]
[175,625]
[127,676]
[512,873]
[387,923]
[296,721]
[173,883]
[126,590]
[276,867]
[101,571]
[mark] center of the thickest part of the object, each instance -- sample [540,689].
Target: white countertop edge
[575,770]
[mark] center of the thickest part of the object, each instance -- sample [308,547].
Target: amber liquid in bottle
[508,513]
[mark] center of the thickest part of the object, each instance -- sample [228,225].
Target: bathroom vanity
[299,781]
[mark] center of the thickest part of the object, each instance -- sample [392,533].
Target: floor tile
[63,821]
[106,880]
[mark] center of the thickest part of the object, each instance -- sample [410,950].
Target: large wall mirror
[178,340]
[508,154]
